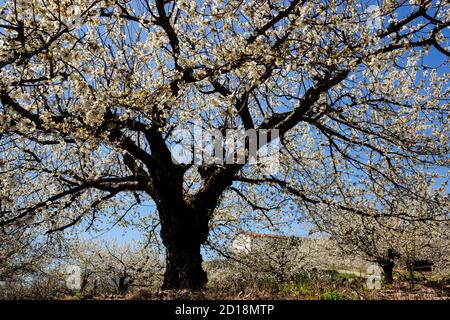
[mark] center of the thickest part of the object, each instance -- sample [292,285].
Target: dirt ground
[400,290]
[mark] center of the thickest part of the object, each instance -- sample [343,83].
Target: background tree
[28,263]
[110,267]
[282,257]
[90,94]
[391,240]
[24,255]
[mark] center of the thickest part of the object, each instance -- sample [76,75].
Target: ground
[342,287]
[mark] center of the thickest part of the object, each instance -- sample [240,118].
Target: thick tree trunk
[183,230]
[388,265]
[184,222]
[388,269]
[184,268]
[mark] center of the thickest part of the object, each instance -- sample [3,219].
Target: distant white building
[242,244]
[318,252]
[246,242]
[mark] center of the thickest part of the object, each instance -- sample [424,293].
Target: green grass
[347,275]
[332,295]
[295,290]
[406,276]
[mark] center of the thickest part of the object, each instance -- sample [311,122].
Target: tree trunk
[123,285]
[388,265]
[388,269]
[411,276]
[184,268]
[183,230]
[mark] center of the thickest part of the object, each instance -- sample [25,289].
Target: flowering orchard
[91,90]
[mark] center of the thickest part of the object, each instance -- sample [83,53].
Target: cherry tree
[26,252]
[281,256]
[91,92]
[390,239]
[118,266]
[17,256]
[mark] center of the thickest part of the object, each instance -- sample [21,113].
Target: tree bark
[123,285]
[184,269]
[388,269]
[184,220]
[388,265]
[183,230]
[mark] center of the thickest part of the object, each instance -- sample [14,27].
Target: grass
[347,275]
[332,295]
[406,276]
[300,288]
